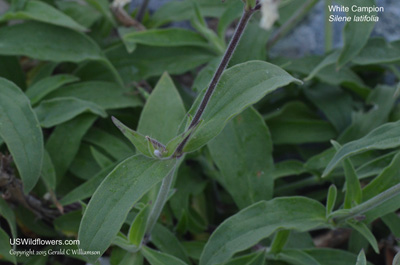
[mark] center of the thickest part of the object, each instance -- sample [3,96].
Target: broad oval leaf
[47,42]
[20,130]
[56,111]
[383,137]
[40,11]
[239,87]
[243,154]
[259,221]
[110,204]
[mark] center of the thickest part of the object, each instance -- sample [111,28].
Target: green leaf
[243,154]
[138,226]
[46,85]
[84,165]
[288,168]
[7,213]
[148,61]
[391,220]
[361,259]
[259,221]
[257,258]
[48,171]
[163,112]
[103,7]
[47,43]
[389,176]
[169,37]
[157,258]
[5,247]
[331,256]
[280,239]
[86,190]
[363,230]
[331,199]
[298,257]
[80,12]
[112,145]
[328,60]
[105,94]
[20,130]
[10,69]
[335,103]
[383,137]
[295,123]
[59,110]
[239,87]
[138,140]
[63,144]
[205,75]
[115,196]
[353,188]
[167,242]
[101,159]
[378,51]
[355,34]
[40,11]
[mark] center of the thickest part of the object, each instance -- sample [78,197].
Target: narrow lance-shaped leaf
[239,87]
[361,259]
[243,154]
[114,198]
[379,51]
[138,227]
[355,34]
[331,199]
[384,137]
[365,232]
[258,221]
[157,258]
[20,130]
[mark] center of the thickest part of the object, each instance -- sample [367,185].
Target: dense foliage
[110,134]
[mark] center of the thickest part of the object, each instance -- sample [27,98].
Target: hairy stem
[218,73]
[159,203]
[142,10]
[292,22]
[370,204]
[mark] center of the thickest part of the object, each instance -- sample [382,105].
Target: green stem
[279,241]
[292,22]
[160,202]
[370,204]
[328,28]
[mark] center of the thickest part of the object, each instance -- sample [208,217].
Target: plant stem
[142,10]
[218,73]
[160,202]
[292,22]
[370,204]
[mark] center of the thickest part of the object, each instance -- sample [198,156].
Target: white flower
[269,12]
[120,3]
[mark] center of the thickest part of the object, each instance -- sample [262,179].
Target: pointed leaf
[239,87]
[158,258]
[138,226]
[258,221]
[20,130]
[361,259]
[384,137]
[363,230]
[113,199]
